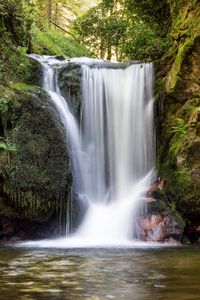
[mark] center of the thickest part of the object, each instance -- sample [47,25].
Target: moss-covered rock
[179,110]
[36,177]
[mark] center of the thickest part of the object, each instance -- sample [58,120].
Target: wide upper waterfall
[112,149]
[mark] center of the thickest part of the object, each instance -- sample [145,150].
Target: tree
[151,11]
[124,29]
[60,12]
[102,28]
[49,10]
[16,20]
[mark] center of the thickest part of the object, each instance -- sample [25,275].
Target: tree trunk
[109,48]
[49,11]
[102,49]
[56,14]
[109,52]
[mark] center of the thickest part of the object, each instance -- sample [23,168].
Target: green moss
[175,146]
[161,203]
[190,106]
[23,87]
[178,150]
[14,65]
[36,175]
[173,75]
[178,217]
[159,89]
[5,145]
[185,30]
[183,193]
[176,162]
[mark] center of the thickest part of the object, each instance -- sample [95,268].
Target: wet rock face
[70,86]
[13,230]
[159,228]
[159,222]
[35,77]
[189,81]
[190,71]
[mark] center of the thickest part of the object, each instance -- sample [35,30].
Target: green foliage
[15,25]
[174,148]
[143,43]
[178,176]
[59,12]
[6,145]
[180,127]
[183,175]
[20,63]
[101,30]
[4,106]
[119,29]
[23,87]
[151,11]
[15,22]
[52,42]
[15,65]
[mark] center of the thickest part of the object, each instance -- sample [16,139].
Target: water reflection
[99,274]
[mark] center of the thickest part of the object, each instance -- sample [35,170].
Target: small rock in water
[172,242]
[59,57]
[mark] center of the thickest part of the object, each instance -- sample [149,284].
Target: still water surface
[100,274]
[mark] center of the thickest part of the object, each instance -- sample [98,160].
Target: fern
[180,127]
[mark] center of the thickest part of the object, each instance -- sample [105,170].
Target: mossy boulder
[35,72]
[36,176]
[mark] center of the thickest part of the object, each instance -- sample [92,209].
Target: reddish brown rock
[158,228]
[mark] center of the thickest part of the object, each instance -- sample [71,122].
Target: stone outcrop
[179,111]
[159,221]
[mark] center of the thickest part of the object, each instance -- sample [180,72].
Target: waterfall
[112,149]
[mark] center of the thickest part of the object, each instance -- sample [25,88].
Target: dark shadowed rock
[70,86]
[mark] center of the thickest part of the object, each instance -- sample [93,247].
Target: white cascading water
[112,153]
